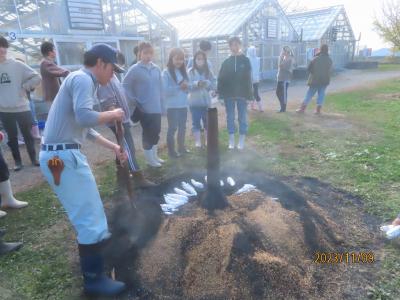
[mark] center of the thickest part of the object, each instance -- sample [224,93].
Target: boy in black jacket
[235,87]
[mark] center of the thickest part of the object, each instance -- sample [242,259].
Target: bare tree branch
[387,23]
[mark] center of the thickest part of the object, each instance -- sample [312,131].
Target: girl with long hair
[176,88]
[202,83]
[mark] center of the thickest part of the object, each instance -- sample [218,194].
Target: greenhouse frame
[75,25]
[260,23]
[329,26]
[264,24]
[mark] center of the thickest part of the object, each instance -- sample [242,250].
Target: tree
[387,24]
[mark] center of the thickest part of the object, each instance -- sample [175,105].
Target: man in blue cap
[66,169]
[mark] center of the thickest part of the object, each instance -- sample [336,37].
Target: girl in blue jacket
[176,87]
[202,83]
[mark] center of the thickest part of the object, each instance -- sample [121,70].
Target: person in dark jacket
[236,88]
[136,53]
[320,75]
[50,72]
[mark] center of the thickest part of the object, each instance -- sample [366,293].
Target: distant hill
[383,52]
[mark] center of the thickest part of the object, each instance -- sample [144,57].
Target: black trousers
[256,93]
[177,118]
[24,121]
[4,172]
[151,128]
[281,93]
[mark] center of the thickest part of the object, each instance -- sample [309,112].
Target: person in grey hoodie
[143,85]
[112,96]
[202,81]
[285,71]
[176,88]
[16,79]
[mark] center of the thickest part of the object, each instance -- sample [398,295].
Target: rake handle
[120,140]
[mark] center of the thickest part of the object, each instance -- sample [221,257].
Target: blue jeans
[33,112]
[230,105]
[177,118]
[312,90]
[199,115]
[78,195]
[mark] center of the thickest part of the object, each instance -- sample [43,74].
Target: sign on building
[85,15]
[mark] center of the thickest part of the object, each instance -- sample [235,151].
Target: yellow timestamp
[344,257]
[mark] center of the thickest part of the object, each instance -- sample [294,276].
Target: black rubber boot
[8,247]
[18,166]
[95,282]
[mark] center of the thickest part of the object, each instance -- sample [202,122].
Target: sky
[361,14]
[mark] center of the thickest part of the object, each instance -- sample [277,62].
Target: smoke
[134,223]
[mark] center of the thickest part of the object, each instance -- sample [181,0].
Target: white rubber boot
[242,139]
[155,155]
[260,106]
[231,145]
[2,213]
[7,198]
[197,139]
[148,155]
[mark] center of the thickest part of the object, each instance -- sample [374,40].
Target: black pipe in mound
[213,198]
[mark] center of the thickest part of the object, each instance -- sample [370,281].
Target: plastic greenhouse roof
[215,20]
[314,22]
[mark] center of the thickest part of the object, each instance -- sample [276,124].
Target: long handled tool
[125,168]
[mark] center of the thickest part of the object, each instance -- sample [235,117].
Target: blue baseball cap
[107,54]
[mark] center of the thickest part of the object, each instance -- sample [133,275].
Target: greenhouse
[260,23]
[74,25]
[325,26]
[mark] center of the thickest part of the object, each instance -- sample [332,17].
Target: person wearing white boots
[236,88]
[143,85]
[7,198]
[255,62]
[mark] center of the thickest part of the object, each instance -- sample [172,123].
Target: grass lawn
[387,67]
[354,146]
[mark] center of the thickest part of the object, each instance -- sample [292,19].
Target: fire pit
[233,233]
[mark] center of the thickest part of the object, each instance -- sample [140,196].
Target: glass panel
[29,18]
[8,17]
[277,50]
[272,28]
[71,53]
[127,50]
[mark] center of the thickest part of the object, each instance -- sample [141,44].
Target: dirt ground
[351,79]
[265,245]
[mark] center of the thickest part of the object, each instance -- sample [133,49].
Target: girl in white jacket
[255,75]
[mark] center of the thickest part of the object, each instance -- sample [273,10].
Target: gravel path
[353,79]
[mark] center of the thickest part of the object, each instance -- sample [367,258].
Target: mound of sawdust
[255,249]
